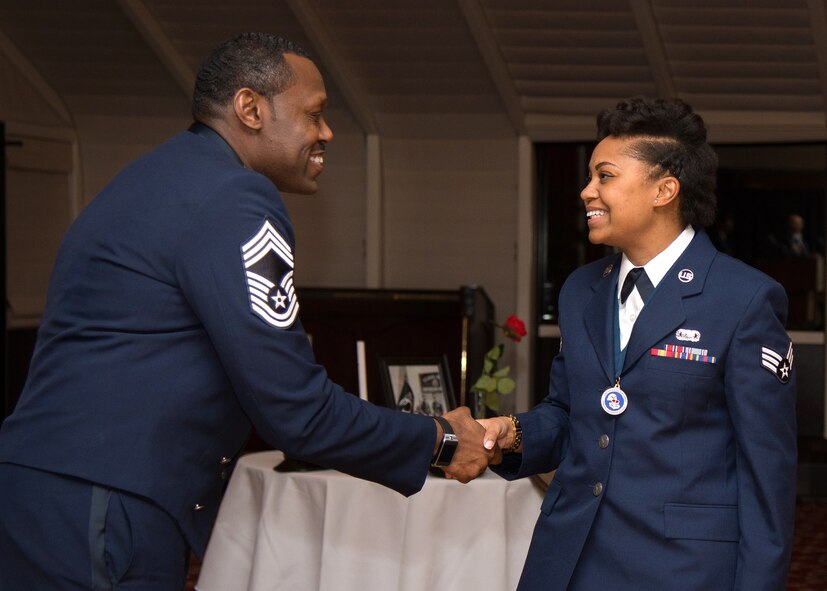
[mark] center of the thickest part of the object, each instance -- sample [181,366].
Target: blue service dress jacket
[692,487]
[171,326]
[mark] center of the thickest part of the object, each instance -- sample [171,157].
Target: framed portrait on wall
[417,385]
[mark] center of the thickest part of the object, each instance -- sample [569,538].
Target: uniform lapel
[664,313]
[598,317]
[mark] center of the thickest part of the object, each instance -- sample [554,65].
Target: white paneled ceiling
[571,57]
[411,56]
[90,53]
[756,69]
[762,57]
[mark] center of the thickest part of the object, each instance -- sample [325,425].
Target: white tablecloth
[326,531]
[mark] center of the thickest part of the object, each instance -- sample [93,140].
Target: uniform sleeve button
[197,507]
[597,490]
[603,442]
[225,460]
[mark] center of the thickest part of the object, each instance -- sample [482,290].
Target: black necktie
[637,276]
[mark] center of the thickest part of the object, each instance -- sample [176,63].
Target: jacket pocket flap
[701,522]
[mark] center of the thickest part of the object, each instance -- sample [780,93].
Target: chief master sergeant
[171,325]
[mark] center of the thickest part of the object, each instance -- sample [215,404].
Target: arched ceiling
[756,69]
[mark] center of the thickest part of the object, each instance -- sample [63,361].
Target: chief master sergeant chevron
[171,325]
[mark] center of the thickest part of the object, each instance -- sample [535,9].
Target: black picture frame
[417,385]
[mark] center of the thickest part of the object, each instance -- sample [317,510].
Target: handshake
[480,443]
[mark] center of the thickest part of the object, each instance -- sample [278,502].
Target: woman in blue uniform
[670,419]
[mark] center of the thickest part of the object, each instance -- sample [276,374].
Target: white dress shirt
[656,269]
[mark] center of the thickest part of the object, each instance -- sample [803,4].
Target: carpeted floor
[808,570]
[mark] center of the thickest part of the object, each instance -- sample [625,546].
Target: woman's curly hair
[671,137]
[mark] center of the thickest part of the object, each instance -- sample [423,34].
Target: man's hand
[471,458]
[499,434]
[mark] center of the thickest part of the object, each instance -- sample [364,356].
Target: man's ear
[247,107]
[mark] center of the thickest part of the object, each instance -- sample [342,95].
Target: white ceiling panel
[547,66]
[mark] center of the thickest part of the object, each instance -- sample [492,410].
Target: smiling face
[290,146]
[621,210]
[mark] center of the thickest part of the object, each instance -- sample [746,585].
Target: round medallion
[614,401]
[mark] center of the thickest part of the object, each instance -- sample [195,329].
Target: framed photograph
[417,385]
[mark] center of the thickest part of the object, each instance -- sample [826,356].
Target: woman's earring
[656,201]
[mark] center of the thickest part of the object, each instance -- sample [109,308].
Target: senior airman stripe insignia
[268,264]
[779,366]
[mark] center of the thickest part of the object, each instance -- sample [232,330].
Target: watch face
[447,449]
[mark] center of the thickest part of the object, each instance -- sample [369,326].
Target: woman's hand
[498,431]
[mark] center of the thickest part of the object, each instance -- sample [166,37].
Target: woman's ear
[668,189]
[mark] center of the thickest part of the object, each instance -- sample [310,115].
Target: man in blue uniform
[171,326]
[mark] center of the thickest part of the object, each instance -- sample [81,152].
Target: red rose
[514,329]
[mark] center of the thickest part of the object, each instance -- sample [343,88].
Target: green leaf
[502,372]
[492,401]
[485,384]
[488,366]
[495,353]
[506,385]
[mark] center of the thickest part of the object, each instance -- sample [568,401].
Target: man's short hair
[252,60]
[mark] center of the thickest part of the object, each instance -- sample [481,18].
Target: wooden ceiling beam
[489,49]
[150,29]
[654,48]
[28,70]
[325,48]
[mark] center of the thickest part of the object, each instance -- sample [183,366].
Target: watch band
[517,429]
[445,453]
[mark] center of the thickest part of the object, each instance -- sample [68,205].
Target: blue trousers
[61,533]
